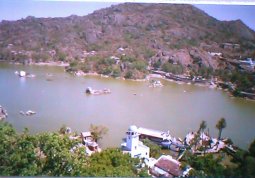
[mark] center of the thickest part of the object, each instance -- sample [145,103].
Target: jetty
[91,91]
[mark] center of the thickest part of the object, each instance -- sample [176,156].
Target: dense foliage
[244,81]
[49,154]
[126,66]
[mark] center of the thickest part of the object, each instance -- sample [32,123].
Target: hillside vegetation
[127,39]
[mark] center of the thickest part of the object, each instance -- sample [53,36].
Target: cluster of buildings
[87,142]
[165,165]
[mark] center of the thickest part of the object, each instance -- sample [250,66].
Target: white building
[133,146]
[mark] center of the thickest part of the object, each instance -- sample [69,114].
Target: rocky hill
[152,33]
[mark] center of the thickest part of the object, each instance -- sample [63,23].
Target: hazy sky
[17,9]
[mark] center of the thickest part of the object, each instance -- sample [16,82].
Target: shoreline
[59,64]
[147,78]
[52,63]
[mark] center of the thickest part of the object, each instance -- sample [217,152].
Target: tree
[98,131]
[202,126]
[111,163]
[129,74]
[220,126]
[252,148]
[62,130]
[206,166]
[201,130]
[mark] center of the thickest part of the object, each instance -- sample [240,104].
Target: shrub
[116,72]
[139,65]
[129,74]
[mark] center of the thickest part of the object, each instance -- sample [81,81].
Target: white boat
[22,73]
[89,90]
[156,83]
[27,113]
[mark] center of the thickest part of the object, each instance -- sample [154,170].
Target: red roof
[169,165]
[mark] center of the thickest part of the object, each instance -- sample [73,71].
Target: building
[90,144]
[134,146]
[166,166]
[230,46]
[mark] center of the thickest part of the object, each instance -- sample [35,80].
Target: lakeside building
[90,144]
[230,46]
[166,166]
[134,146]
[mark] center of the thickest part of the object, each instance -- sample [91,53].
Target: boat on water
[27,113]
[91,91]
[24,74]
[155,84]
[174,145]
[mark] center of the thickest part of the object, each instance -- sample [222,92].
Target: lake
[60,99]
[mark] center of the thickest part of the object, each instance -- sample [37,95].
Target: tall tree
[98,131]
[201,129]
[202,126]
[220,126]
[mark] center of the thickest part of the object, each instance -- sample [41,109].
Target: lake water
[62,100]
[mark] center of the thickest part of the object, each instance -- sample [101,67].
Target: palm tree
[202,127]
[220,126]
[97,131]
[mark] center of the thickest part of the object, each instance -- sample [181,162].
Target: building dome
[132,128]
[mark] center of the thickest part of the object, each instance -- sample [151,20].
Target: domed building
[133,145]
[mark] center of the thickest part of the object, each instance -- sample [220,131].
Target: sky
[17,9]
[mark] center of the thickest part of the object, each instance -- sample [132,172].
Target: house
[230,46]
[90,144]
[166,166]
[215,54]
[133,146]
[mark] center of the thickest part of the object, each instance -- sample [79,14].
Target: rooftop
[169,165]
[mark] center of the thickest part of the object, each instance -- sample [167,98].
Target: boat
[91,91]
[27,113]
[156,83]
[24,74]
[166,144]
[173,144]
